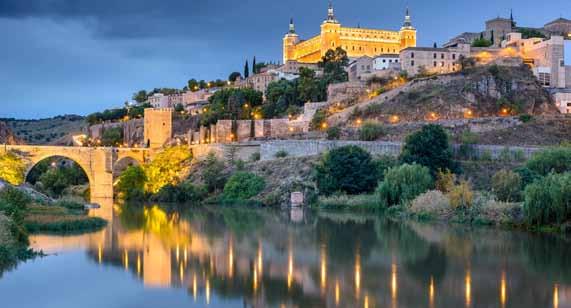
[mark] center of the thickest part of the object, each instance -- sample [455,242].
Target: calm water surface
[167,256]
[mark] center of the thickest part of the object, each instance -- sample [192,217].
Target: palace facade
[357,42]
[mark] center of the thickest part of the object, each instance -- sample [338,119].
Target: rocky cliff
[481,92]
[6,135]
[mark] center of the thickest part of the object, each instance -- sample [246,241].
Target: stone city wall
[299,148]
[243,151]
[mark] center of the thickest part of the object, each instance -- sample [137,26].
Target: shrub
[370,131]
[346,169]
[239,164]
[461,196]
[131,184]
[526,118]
[362,203]
[506,185]
[213,173]
[318,120]
[243,186]
[333,133]
[429,147]
[16,197]
[486,155]
[383,163]
[403,184]
[519,155]
[12,168]
[556,160]
[505,155]
[184,192]
[547,200]
[432,203]
[527,175]
[445,181]
[256,156]
[167,167]
[70,204]
[281,154]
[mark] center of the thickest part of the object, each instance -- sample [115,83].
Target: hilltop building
[357,42]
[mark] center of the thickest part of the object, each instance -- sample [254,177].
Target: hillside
[7,136]
[46,131]
[485,91]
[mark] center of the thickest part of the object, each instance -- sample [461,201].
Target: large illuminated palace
[357,42]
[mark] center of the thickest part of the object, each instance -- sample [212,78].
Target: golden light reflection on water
[394,285]
[230,259]
[207,291]
[260,258]
[468,283]
[99,253]
[357,274]
[194,286]
[556,296]
[337,293]
[138,264]
[126,260]
[431,292]
[323,261]
[503,290]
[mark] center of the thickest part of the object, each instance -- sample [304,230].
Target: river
[175,256]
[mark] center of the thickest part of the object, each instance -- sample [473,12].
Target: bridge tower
[158,127]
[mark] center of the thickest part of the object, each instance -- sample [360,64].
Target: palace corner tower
[357,42]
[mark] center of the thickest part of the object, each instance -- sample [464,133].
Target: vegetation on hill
[232,104]
[117,114]
[45,131]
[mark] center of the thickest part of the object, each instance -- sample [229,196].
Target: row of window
[435,56]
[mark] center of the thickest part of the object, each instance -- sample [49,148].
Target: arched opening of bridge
[59,176]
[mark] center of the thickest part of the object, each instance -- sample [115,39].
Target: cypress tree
[246,70]
[254,69]
[492,37]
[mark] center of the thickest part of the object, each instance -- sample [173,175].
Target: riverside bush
[333,133]
[527,176]
[445,181]
[403,184]
[131,185]
[383,163]
[213,173]
[184,192]
[370,131]
[432,203]
[506,185]
[547,200]
[557,160]
[461,196]
[348,169]
[243,186]
[429,147]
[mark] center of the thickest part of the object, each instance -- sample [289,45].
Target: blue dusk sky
[81,56]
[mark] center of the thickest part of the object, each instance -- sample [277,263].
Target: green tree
[482,42]
[557,160]
[193,85]
[140,96]
[404,183]
[333,64]
[507,186]
[243,186]
[168,167]
[112,137]
[246,70]
[131,184]
[547,200]
[429,147]
[254,66]
[179,107]
[213,173]
[230,103]
[346,169]
[234,76]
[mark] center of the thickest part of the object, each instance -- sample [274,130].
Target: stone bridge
[101,165]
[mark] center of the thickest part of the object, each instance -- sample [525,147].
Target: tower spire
[330,13]
[291,26]
[407,20]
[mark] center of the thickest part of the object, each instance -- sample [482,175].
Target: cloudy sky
[80,56]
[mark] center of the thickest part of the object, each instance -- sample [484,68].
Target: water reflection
[265,258]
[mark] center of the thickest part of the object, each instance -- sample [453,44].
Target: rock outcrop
[7,136]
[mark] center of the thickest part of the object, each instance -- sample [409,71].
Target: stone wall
[243,151]
[299,148]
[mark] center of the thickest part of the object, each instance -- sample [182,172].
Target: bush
[506,185]
[15,197]
[333,133]
[383,163]
[486,155]
[70,204]
[131,184]
[68,226]
[556,160]
[461,196]
[432,203]
[318,121]
[370,131]
[243,186]
[213,173]
[429,147]
[403,184]
[281,154]
[12,168]
[167,167]
[527,176]
[363,203]
[184,192]
[525,118]
[346,169]
[547,200]
[445,181]
[255,157]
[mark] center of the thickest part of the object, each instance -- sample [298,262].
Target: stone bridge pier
[101,165]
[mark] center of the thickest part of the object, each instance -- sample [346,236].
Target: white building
[159,100]
[563,101]
[386,61]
